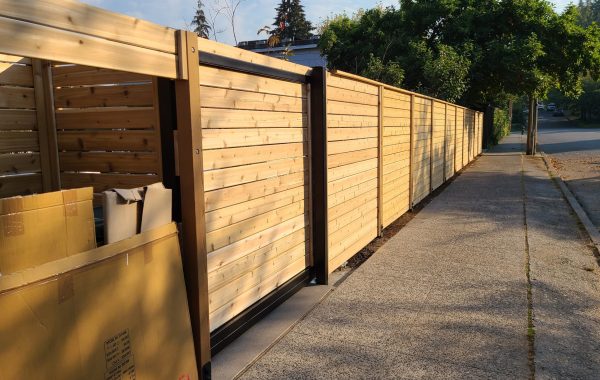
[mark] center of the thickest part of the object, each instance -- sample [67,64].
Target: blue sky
[252,14]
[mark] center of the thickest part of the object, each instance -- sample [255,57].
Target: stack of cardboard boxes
[72,311]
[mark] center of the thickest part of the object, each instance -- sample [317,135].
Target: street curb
[581,214]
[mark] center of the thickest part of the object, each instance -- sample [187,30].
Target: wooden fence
[283,172]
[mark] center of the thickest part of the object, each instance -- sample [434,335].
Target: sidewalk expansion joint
[530,315]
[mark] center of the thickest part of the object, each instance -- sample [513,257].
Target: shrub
[501,125]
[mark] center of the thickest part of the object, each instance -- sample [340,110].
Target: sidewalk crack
[530,314]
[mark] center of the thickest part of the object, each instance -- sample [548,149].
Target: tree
[200,23]
[479,53]
[290,21]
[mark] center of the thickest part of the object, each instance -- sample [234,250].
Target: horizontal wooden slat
[108,118]
[108,140]
[104,96]
[18,142]
[223,158]
[20,185]
[235,251]
[348,182]
[235,232]
[350,249]
[350,84]
[351,169]
[105,181]
[220,276]
[17,120]
[336,160]
[209,46]
[349,96]
[337,134]
[216,179]
[37,41]
[352,192]
[342,121]
[78,75]
[16,75]
[14,59]
[335,147]
[233,80]
[219,118]
[351,204]
[16,97]
[212,97]
[250,296]
[242,211]
[109,162]
[217,199]
[79,17]
[343,108]
[231,138]
[254,276]
[19,163]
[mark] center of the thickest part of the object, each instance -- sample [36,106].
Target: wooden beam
[78,17]
[192,202]
[431,149]
[46,124]
[410,155]
[318,174]
[380,166]
[43,42]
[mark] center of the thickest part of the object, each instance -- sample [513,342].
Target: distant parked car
[558,112]
[551,107]
[540,106]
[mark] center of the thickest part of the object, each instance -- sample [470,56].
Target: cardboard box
[131,211]
[40,228]
[116,312]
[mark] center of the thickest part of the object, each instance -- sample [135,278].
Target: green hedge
[501,125]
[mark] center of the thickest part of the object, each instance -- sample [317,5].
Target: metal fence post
[318,173]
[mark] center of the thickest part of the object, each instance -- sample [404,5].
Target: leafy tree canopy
[290,21]
[476,52]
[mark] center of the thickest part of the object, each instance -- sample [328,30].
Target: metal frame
[222,62]
[318,169]
[231,330]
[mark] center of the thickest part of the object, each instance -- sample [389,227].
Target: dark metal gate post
[318,170]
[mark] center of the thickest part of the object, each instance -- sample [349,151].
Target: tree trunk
[535,127]
[510,112]
[530,126]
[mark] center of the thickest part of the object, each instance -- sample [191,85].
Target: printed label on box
[119,358]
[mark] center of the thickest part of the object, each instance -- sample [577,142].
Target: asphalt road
[575,153]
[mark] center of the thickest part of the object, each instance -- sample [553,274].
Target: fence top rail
[217,48]
[73,32]
[74,16]
[344,74]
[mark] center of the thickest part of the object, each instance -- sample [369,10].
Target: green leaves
[475,52]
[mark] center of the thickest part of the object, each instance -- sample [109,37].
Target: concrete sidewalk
[449,296]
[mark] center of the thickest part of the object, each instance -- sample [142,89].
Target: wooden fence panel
[480,135]
[107,127]
[460,133]
[352,134]
[396,155]
[466,142]
[438,145]
[421,159]
[255,156]
[20,167]
[471,130]
[450,141]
